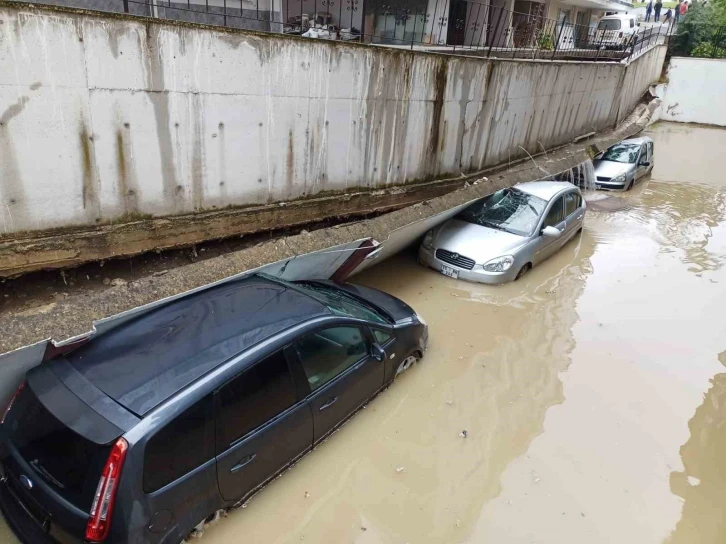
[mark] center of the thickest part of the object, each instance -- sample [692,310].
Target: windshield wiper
[492,225]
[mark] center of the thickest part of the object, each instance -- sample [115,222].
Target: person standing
[678,11]
[683,8]
[648,10]
[668,15]
[658,6]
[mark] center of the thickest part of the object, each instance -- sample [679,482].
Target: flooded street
[592,392]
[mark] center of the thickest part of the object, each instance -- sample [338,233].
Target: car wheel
[407,363]
[199,528]
[523,271]
[632,182]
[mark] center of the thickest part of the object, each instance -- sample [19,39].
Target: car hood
[393,306]
[474,241]
[610,169]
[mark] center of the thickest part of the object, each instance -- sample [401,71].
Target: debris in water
[107,281]
[118,282]
[693,481]
[449,402]
[463,434]
[307,494]
[161,273]
[363,528]
[400,469]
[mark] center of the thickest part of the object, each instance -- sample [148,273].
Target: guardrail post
[496,28]
[559,36]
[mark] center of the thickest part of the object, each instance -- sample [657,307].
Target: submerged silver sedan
[622,165]
[499,238]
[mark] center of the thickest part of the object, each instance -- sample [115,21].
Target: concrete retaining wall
[695,91]
[106,118]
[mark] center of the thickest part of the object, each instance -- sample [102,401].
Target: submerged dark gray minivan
[147,430]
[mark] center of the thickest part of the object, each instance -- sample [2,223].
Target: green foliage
[709,51]
[546,42]
[702,31]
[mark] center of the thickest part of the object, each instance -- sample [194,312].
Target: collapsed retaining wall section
[108,119]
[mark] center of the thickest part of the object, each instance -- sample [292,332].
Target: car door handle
[328,403]
[579,217]
[243,463]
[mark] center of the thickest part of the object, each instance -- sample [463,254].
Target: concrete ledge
[63,248]
[75,315]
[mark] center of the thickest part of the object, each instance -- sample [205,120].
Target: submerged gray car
[624,164]
[498,238]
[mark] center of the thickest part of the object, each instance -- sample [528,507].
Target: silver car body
[461,249]
[623,175]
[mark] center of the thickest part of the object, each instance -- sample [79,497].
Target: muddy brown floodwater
[593,393]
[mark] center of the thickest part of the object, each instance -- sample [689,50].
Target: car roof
[639,141]
[147,360]
[544,189]
[618,16]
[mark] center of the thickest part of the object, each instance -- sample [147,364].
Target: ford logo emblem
[27,482]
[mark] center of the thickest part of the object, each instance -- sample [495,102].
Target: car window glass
[381,336]
[622,152]
[632,23]
[609,24]
[327,353]
[342,303]
[254,397]
[570,204]
[643,154]
[510,210]
[182,445]
[554,216]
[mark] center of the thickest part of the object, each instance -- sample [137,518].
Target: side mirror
[377,352]
[645,163]
[551,232]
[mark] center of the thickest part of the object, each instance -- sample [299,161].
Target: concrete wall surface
[695,91]
[107,118]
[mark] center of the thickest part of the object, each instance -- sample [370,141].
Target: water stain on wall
[13,207]
[127,183]
[91,201]
[159,97]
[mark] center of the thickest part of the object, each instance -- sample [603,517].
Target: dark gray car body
[136,380]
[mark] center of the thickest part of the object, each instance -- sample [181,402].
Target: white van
[615,31]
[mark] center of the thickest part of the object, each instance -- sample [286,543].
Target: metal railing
[446,26]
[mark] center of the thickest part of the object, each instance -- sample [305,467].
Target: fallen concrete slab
[35,335]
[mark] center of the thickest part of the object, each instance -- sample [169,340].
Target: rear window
[609,24]
[71,464]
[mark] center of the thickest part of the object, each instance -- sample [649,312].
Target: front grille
[600,178]
[455,259]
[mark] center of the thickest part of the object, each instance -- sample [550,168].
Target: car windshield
[626,153]
[509,210]
[341,303]
[609,24]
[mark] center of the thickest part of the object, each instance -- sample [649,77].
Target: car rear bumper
[25,528]
[428,258]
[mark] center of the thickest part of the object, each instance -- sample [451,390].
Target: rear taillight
[12,401]
[99,520]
